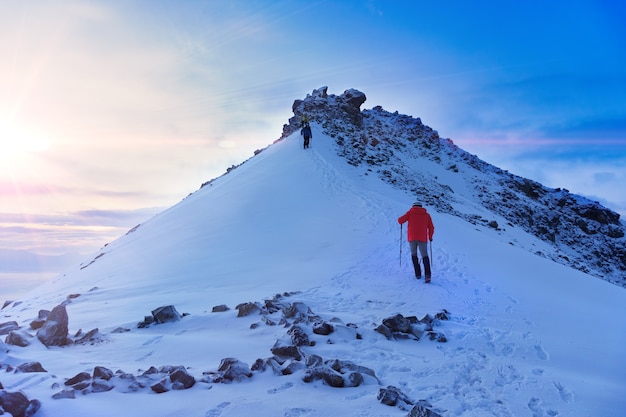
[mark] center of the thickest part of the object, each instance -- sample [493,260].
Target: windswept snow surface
[526,336]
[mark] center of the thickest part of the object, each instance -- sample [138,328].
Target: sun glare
[15,142]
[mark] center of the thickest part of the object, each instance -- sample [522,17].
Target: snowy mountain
[404,152]
[293,294]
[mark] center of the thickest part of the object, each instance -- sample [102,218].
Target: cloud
[21,261]
[59,234]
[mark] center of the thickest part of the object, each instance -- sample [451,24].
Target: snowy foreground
[526,336]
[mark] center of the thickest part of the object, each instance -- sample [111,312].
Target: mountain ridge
[380,141]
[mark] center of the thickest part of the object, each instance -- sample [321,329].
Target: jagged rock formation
[585,235]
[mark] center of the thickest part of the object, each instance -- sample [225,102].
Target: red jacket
[420,224]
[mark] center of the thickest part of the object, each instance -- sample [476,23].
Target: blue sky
[124,108]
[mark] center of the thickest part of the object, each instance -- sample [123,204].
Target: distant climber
[307,134]
[419,232]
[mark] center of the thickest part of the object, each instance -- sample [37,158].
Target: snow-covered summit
[412,157]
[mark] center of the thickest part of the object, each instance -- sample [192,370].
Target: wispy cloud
[81,232]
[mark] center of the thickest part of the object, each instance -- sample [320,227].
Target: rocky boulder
[230,370]
[9,326]
[17,404]
[54,331]
[160,315]
[18,338]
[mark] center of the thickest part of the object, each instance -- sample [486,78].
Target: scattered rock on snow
[181,380]
[54,332]
[246,309]
[40,320]
[423,409]
[17,404]
[18,338]
[394,397]
[164,314]
[400,327]
[8,327]
[30,367]
[100,372]
[336,373]
[230,370]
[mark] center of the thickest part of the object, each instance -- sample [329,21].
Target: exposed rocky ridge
[585,235]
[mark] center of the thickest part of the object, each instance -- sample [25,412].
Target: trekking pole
[400,245]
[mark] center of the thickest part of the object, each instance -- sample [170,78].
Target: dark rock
[33,407]
[398,323]
[55,330]
[232,369]
[160,387]
[18,338]
[292,368]
[65,394]
[427,319]
[246,309]
[274,305]
[17,404]
[297,310]
[385,331]
[259,365]
[37,324]
[78,378]
[354,98]
[30,367]
[323,328]
[151,371]
[354,379]
[160,315]
[100,372]
[325,374]
[89,337]
[147,321]
[443,315]
[347,366]
[393,397]
[100,385]
[182,380]
[438,337]
[423,409]
[288,352]
[299,337]
[333,379]
[166,314]
[220,309]
[336,373]
[313,361]
[169,369]
[9,326]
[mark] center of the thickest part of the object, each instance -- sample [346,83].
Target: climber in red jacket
[419,232]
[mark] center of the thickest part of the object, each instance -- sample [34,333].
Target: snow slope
[526,336]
